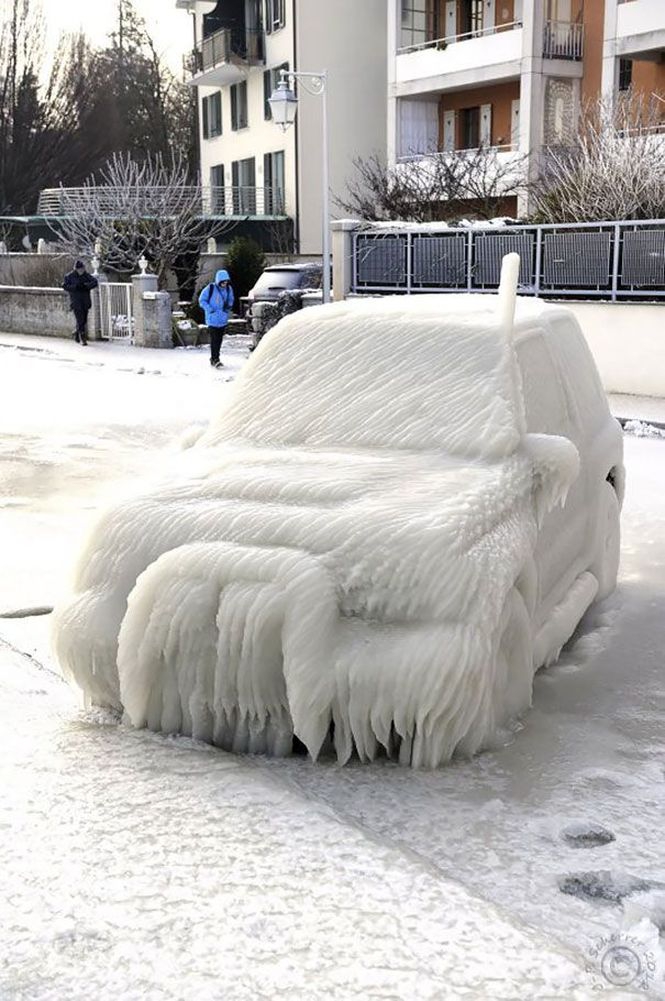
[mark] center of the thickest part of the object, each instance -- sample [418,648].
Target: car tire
[606,564]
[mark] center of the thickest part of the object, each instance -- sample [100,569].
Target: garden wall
[26,310]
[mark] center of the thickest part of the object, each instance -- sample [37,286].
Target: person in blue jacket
[216,300]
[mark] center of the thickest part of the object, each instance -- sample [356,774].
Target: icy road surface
[136,866]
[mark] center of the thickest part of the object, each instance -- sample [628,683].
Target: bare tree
[434,186]
[138,208]
[614,170]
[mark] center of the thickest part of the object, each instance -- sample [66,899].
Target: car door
[560,545]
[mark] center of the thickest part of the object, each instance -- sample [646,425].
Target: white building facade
[250,168]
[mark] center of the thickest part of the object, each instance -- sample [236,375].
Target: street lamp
[283,106]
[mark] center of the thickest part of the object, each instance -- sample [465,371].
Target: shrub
[245,262]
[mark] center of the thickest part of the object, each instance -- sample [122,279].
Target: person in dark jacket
[79,284]
[216,300]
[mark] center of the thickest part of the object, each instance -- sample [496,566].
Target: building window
[217,206]
[470,125]
[471,21]
[270,81]
[239,118]
[243,175]
[419,22]
[212,115]
[625,74]
[273,181]
[275,16]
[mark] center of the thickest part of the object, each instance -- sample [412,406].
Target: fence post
[469,261]
[157,323]
[141,284]
[343,256]
[539,259]
[409,261]
[615,261]
[95,330]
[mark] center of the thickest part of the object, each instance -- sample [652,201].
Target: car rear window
[285,280]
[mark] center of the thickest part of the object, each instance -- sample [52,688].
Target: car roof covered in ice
[430,372]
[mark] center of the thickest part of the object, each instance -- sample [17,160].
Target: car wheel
[515,656]
[606,564]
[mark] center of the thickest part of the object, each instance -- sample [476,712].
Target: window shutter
[486,125]
[515,124]
[489,14]
[449,131]
[206,124]
[267,84]
[234,107]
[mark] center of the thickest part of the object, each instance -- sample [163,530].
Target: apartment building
[513,74]
[251,169]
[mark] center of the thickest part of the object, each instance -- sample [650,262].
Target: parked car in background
[280,278]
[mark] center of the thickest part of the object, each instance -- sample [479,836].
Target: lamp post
[283,106]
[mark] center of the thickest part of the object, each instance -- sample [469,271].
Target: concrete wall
[44,311]
[627,341]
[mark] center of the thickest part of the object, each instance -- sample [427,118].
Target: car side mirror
[556,465]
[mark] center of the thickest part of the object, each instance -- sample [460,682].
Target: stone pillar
[141,284]
[156,329]
[95,318]
[342,255]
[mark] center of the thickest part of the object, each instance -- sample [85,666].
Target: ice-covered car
[393,522]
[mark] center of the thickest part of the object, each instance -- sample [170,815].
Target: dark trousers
[216,338]
[81,315]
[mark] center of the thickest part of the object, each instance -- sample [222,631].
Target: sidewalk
[140,866]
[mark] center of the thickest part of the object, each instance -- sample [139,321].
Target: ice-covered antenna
[510,271]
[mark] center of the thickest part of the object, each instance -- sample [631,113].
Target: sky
[171,28]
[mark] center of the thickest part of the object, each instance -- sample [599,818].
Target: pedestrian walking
[79,284]
[216,300]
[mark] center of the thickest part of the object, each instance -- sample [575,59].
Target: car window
[580,378]
[277,280]
[545,401]
[374,377]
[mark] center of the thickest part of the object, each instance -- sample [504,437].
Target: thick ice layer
[345,551]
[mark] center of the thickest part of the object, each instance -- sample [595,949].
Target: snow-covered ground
[138,866]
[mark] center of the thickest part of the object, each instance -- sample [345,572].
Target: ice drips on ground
[341,556]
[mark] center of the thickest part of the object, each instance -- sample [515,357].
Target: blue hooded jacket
[217,301]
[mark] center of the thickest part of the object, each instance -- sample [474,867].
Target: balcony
[225,57]
[563,40]
[640,32]
[110,202]
[486,56]
[244,201]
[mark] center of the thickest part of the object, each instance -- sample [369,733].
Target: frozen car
[392,523]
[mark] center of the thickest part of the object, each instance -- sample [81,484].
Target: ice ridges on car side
[341,555]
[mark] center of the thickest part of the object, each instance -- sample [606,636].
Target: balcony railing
[243,200]
[229,45]
[462,151]
[444,42]
[118,203]
[563,40]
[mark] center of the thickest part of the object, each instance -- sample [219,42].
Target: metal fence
[608,260]
[116,317]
